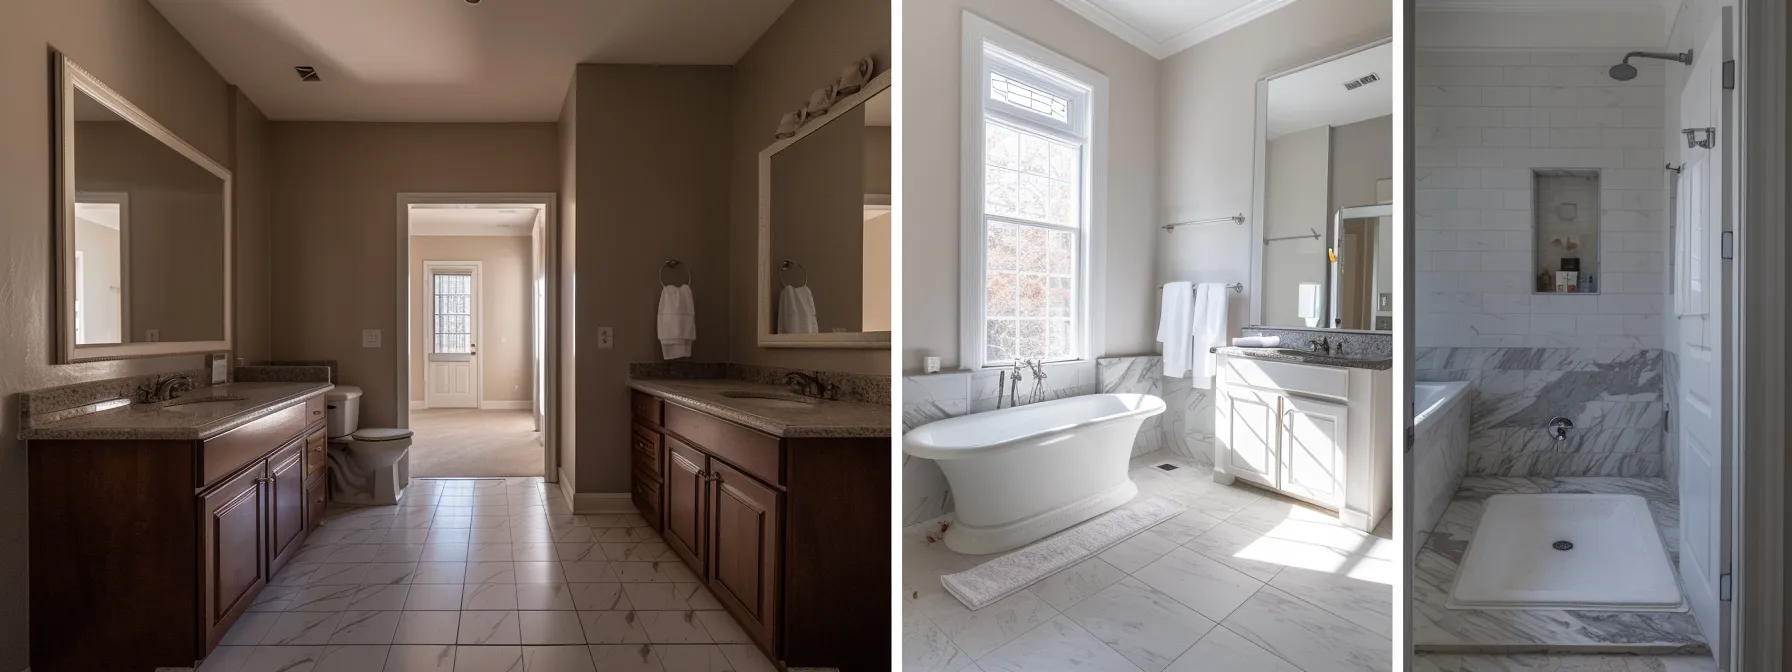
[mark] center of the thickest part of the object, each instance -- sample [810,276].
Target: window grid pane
[1031,176]
[453,298]
[1029,98]
[1030,293]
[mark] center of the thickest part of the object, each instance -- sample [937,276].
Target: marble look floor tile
[1272,511]
[427,627]
[747,658]
[339,574]
[658,597]
[1136,552]
[1057,644]
[539,572]
[488,659]
[542,551]
[302,629]
[664,571]
[439,658]
[1066,588]
[365,627]
[249,629]
[613,627]
[389,574]
[626,658]
[491,572]
[440,572]
[694,658]
[322,598]
[434,597]
[1238,548]
[551,627]
[1213,499]
[673,627]
[353,658]
[558,659]
[489,597]
[603,597]
[643,551]
[982,631]
[1199,582]
[490,552]
[1185,526]
[283,659]
[379,598]
[1148,627]
[590,572]
[1309,637]
[722,628]
[544,597]
[926,648]
[226,659]
[489,628]
[1364,603]
[1222,650]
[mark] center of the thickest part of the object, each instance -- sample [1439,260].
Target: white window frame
[1067,77]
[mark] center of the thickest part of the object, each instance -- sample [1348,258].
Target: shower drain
[1563,545]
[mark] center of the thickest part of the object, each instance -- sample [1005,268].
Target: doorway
[473,373]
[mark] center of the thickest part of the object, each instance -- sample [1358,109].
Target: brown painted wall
[131,48]
[249,150]
[503,303]
[335,224]
[806,49]
[563,241]
[654,183]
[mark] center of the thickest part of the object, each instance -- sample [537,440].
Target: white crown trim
[1193,36]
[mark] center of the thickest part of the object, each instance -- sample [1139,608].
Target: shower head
[1625,72]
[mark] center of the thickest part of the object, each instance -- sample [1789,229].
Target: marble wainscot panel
[1439,461]
[281,374]
[1357,344]
[1188,420]
[1613,396]
[936,396]
[1436,628]
[1136,375]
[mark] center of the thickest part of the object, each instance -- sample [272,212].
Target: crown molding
[1161,50]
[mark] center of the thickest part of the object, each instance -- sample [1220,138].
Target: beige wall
[131,48]
[1296,191]
[930,163]
[878,273]
[1361,154]
[654,185]
[335,224]
[1207,135]
[806,49]
[249,148]
[504,353]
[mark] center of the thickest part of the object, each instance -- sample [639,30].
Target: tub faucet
[1558,428]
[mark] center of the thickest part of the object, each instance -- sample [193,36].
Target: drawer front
[1324,381]
[314,409]
[647,408]
[646,493]
[317,451]
[317,500]
[646,443]
[760,455]
[224,454]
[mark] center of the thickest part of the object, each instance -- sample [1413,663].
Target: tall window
[454,313]
[1033,211]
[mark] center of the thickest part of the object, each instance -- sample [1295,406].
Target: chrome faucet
[810,385]
[1323,345]
[164,389]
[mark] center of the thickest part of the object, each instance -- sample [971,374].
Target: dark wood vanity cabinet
[791,535]
[179,536]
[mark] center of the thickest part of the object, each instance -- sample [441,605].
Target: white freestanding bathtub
[1021,474]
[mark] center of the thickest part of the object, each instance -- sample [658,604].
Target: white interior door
[451,377]
[1701,286]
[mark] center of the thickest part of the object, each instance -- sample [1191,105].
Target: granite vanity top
[838,419]
[158,422]
[1312,358]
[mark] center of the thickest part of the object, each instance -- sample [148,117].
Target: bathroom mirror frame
[72,80]
[834,340]
[1260,177]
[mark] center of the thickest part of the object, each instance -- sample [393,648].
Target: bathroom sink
[770,399]
[201,404]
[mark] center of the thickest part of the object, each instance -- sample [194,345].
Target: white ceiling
[1316,96]
[448,60]
[1163,27]
[472,220]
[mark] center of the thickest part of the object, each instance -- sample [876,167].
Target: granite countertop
[840,419]
[1311,358]
[154,422]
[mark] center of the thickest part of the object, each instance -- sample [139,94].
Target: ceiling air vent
[1362,81]
[309,74]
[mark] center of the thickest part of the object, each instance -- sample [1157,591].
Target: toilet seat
[376,434]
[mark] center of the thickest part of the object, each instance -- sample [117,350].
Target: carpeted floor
[465,443]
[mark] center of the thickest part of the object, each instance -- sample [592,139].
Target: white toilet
[368,466]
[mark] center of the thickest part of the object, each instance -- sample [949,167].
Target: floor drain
[1167,467]
[1563,545]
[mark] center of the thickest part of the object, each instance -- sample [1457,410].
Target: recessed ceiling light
[307,73]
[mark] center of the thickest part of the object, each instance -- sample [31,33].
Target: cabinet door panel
[744,552]
[685,471]
[233,524]
[1247,434]
[286,503]
[1313,435]
[317,499]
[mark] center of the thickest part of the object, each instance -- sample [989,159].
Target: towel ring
[785,268]
[674,263]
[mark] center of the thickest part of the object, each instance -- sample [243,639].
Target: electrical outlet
[606,338]
[370,338]
[152,335]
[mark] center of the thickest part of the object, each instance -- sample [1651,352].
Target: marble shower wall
[1613,396]
[1188,422]
[1439,462]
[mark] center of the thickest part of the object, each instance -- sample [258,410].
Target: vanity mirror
[824,228]
[142,231]
[1323,244]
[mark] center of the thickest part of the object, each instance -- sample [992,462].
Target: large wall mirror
[1324,234]
[824,228]
[143,231]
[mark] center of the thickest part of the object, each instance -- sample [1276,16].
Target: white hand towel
[796,311]
[677,321]
[1209,332]
[1257,342]
[1309,303]
[1175,326]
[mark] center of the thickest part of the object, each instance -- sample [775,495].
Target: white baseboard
[566,490]
[603,502]
[489,405]
[416,404]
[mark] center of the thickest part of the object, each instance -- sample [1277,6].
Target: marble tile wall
[1439,462]
[1188,422]
[1136,375]
[1614,397]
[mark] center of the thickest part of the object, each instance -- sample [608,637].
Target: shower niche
[1565,224]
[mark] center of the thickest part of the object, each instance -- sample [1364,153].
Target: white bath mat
[984,584]
[1567,551]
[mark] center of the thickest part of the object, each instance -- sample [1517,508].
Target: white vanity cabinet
[1318,433]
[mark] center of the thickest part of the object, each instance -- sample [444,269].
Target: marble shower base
[1437,629]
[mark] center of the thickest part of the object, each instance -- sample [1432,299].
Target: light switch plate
[370,338]
[606,338]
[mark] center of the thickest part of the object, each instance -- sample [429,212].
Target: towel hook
[785,268]
[674,263]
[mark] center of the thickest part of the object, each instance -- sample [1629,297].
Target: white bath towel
[1175,326]
[1309,303]
[1209,332]
[677,321]
[1257,342]
[796,311]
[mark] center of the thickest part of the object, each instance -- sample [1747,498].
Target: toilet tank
[343,410]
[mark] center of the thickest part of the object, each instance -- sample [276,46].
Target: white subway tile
[1599,325]
[1506,302]
[1500,323]
[1555,96]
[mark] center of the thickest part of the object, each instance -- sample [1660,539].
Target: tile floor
[1244,580]
[484,575]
